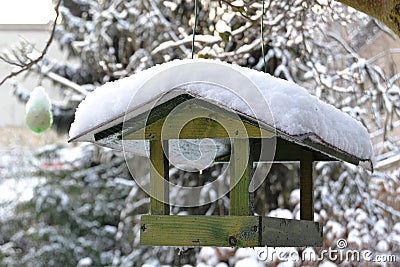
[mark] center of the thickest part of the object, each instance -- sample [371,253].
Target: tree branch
[70,84]
[387,11]
[38,59]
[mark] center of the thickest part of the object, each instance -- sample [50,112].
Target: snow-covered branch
[206,39]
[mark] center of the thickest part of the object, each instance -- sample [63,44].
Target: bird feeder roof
[277,107]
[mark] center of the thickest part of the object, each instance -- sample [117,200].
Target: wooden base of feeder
[240,229]
[228,231]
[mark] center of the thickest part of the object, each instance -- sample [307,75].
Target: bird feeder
[167,101]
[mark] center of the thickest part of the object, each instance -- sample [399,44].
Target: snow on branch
[64,81]
[208,39]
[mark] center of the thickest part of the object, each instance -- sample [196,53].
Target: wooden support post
[306,187]
[240,176]
[159,178]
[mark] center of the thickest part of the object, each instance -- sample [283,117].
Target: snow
[17,179]
[323,2]
[273,101]
[221,27]
[248,262]
[208,255]
[396,227]
[38,94]
[334,230]
[381,227]
[294,198]
[382,246]
[243,253]
[286,264]
[362,216]
[281,213]
[327,264]
[353,239]
[14,191]
[85,262]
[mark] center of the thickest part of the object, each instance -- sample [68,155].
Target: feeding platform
[250,116]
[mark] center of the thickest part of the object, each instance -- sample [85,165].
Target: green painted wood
[219,231]
[159,178]
[278,232]
[306,187]
[228,231]
[140,121]
[240,176]
[197,120]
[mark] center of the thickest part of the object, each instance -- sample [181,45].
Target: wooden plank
[333,152]
[306,187]
[218,231]
[240,175]
[130,124]
[159,178]
[278,232]
[284,151]
[199,120]
[228,231]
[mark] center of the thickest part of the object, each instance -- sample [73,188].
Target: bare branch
[38,59]
[8,61]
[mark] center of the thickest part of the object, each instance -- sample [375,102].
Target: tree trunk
[387,11]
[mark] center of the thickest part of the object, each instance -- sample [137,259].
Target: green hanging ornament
[38,115]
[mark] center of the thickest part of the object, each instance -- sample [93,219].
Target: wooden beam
[284,150]
[240,175]
[306,187]
[159,178]
[278,232]
[195,120]
[219,231]
[228,231]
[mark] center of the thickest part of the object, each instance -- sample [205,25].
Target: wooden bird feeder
[241,228]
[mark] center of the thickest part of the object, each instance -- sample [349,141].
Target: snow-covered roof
[274,102]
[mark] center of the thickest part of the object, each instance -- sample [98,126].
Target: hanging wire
[262,35]
[196,7]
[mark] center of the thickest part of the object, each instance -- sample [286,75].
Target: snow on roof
[276,102]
